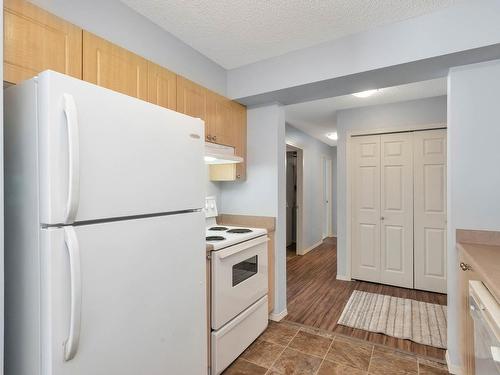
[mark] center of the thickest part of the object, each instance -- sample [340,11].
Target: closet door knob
[465,266]
[382,218]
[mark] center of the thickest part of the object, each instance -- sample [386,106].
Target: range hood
[219,154]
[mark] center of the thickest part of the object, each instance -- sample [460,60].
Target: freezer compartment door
[125,297]
[103,154]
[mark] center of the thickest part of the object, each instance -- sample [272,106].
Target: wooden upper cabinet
[35,40]
[191,99]
[220,119]
[162,86]
[108,65]
[236,130]
[240,138]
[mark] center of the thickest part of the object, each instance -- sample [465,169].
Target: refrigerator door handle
[71,344]
[73,158]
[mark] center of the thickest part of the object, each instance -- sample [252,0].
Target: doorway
[293,199]
[291,204]
[327,196]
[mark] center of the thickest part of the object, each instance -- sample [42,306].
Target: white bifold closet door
[396,208]
[399,209]
[366,208]
[382,230]
[430,210]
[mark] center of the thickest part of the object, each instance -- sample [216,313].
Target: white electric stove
[222,236]
[239,286]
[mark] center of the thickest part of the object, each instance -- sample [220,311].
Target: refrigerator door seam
[114,219]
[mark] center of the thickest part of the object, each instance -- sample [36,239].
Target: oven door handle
[226,253]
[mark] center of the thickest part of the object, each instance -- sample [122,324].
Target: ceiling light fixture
[365,94]
[333,136]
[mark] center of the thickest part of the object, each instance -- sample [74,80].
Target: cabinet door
[192,100]
[240,139]
[220,119]
[35,40]
[430,210]
[237,128]
[366,208]
[467,323]
[113,67]
[162,86]
[396,211]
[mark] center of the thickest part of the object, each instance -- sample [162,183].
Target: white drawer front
[232,339]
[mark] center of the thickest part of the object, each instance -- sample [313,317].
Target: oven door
[239,278]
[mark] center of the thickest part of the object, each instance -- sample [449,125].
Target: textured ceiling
[238,32]
[317,118]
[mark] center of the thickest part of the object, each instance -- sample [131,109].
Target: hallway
[316,298]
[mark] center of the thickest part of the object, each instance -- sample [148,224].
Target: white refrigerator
[105,249]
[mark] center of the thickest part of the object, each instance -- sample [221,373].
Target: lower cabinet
[466,273]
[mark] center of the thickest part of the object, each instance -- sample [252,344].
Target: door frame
[349,171]
[329,194]
[300,195]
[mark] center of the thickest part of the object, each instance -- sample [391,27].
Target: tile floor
[287,348]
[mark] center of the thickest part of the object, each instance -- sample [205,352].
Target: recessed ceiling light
[333,136]
[365,94]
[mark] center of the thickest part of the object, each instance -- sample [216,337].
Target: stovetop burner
[214,238]
[239,230]
[218,228]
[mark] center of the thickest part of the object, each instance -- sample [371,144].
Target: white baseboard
[452,369]
[305,251]
[276,317]
[343,278]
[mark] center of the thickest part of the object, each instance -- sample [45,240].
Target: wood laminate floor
[316,298]
[291,251]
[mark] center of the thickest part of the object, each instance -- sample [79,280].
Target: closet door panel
[365,158]
[430,210]
[396,209]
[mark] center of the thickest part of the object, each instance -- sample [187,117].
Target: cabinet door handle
[465,266]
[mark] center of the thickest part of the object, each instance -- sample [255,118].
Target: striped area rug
[403,318]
